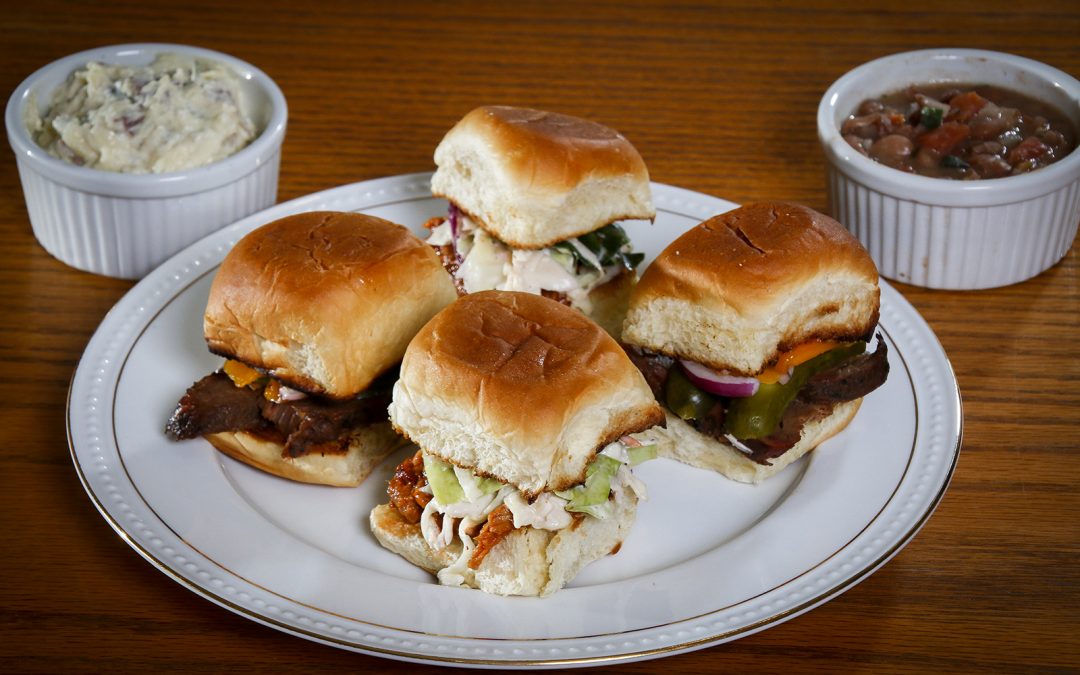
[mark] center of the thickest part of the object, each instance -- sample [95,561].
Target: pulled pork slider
[523,410]
[313,313]
[534,197]
[752,328]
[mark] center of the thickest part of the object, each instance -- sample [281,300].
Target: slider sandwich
[534,197]
[523,411]
[313,313]
[752,329]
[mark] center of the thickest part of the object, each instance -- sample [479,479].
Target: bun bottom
[527,561]
[686,444]
[367,447]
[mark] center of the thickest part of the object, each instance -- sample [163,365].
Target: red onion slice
[453,216]
[288,394]
[713,382]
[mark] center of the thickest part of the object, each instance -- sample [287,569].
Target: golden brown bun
[743,286]
[680,441]
[324,301]
[519,387]
[367,447]
[533,178]
[528,561]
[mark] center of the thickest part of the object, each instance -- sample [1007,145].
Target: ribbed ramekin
[952,234]
[124,225]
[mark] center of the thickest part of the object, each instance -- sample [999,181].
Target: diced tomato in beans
[1029,148]
[963,107]
[945,138]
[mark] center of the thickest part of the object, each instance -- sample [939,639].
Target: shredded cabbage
[574,267]
[595,490]
[465,500]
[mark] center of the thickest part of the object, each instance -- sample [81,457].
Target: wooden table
[718,98]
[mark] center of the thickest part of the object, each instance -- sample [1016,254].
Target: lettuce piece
[563,254]
[642,453]
[598,511]
[444,483]
[475,486]
[487,485]
[596,488]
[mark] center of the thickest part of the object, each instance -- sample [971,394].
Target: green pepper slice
[684,399]
[758,416]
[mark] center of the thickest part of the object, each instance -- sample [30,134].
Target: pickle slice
[684,399]
[758,416]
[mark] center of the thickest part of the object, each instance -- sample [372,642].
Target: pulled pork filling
[850,378]
[411,495]
[481,512]
[304,425]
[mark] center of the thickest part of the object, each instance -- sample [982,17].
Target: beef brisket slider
[752,328]
[534,197]
[313,313]
[523,410]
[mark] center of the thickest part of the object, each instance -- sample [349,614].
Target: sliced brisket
[851,379]
[712,423]
[314,421]
[654,367]
[214,404]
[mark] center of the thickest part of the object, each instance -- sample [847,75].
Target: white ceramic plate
[708,560]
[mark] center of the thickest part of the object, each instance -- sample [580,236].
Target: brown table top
[719,98]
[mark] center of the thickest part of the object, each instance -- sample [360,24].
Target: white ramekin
[124,225]
[942,233]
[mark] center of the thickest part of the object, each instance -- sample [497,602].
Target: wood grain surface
[718,97]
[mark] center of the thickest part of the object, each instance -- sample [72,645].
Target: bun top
[520,388]
[324,301]
[533,178]
[743,286]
